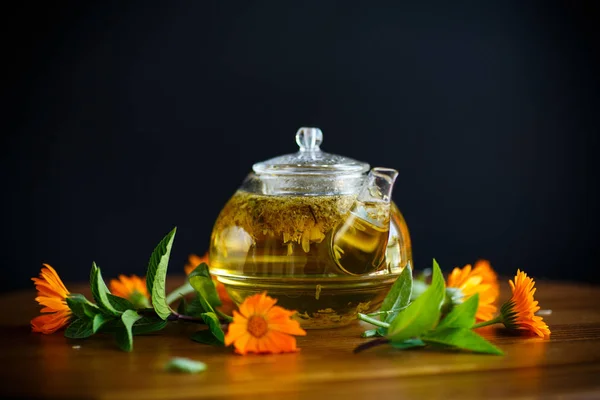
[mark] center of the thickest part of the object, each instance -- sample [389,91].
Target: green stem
[226,317]
[497,320]
[182,290]
[373,321]
[370,333]
[377,313]
[370,344]
[186,289]
[186,318]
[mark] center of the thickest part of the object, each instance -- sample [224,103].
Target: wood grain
[566,366]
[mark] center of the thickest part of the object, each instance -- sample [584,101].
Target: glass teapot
[317,231]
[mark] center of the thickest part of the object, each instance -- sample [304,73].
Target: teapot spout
[359,243]
[378,186]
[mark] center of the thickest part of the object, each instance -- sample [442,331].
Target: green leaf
[206,337]
[119,303]
[398,297]
[180,364]
[422,314]
[79,328]
[99,320]
[157,274]
[82,307]
[148,325]
[408,344]
[124,335]
[100,291]
[197,306]
[462,315]
[214,325]
[202,283]
[461,338]
[182,306]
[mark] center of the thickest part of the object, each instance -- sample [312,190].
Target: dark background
[125,119]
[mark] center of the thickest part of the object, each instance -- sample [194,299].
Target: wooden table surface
[51,366]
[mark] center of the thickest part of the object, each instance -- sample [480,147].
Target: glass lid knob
[309,139]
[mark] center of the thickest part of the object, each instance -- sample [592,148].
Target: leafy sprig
[403,323]
[118,316]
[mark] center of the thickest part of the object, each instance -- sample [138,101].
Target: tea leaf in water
[300,220]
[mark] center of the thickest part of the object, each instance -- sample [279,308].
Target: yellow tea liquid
[325,256]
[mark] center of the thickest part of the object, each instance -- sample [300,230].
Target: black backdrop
[125,119]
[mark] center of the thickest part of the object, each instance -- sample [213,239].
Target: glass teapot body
[313,242]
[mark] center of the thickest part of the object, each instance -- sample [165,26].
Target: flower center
[257,326]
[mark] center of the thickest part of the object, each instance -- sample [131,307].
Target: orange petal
[285,343]
[279,312]
[49,323]
[291,327]
[485,312]
[49,274]
[252,345]
[264,346]
[240,344]
[234,332]
[485,270]
[117,288]
[239,318]
[265,303]
[248,306]
[44,289]
[193,261]
[51,302]
[271,344]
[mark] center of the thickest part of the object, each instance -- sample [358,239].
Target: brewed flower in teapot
[317,231]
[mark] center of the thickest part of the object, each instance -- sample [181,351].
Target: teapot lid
[310,159]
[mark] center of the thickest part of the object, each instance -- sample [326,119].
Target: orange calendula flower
[193,261]
[483,280]
[52,294]
[519,311]
[132,288]
[263,327]
[227,304]
[484,269]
